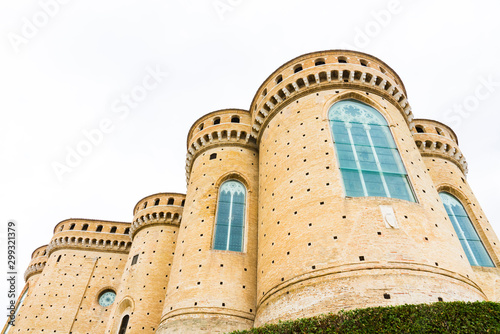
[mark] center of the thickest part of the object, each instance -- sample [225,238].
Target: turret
[213,280]
[37,263]
[141,295]
[348,215]
[447,166]
[67,277]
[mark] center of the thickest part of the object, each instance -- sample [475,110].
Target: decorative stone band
[206,311]
[372,266]
[34,269]
[435,147]
[165,218]
[89,244]
[217,138]
[326,76]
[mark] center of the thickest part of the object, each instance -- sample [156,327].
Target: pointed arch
[230,217]
[467,234]
[369,160]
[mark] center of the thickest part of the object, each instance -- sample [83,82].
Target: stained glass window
[230,224]
[369,160]
[471,243]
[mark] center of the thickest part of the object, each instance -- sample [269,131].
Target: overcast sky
[68,72]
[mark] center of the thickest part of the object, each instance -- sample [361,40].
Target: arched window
[230,223]
[124,324]
[157,201]
[113,229]
[235,119]
[471,243]
[85,227]
[99,228]
[72,227]
[319,62]
[368,157]
[170,201]
[297,68]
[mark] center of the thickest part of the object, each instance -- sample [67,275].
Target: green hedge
[441,317]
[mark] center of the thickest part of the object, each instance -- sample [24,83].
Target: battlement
[327,69]
[38,260]
[161,208]
[219,128]
[434,127]
[436,139]
[92,234]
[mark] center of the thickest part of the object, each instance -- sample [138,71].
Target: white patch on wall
[389,216]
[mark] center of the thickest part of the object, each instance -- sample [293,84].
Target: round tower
[140,298]
[37,263]
[447,166]
[348,214]
[81,260]
[213,282]
[31,276]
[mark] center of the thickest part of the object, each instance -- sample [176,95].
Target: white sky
[66,78]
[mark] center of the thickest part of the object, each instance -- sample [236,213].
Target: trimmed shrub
[441,317]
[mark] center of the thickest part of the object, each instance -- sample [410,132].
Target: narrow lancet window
[467,234]
[124,324]
[369,160]
[230,224]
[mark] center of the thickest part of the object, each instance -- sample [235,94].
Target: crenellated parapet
[91,234]
[435,139]
[161,208]
[37,263]
[228,127]
[325,70]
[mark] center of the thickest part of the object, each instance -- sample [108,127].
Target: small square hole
[361,258]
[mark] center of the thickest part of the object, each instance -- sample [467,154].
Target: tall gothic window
[123,325]
[230,223]
[369,161]
[471,243]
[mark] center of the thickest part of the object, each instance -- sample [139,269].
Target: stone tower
[325,195]
[141,295]
[354,251]
[214,288]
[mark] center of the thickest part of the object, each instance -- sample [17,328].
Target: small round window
[107,298]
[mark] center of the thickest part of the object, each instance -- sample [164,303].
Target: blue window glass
[230,224]
[471,243]
[369,161]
